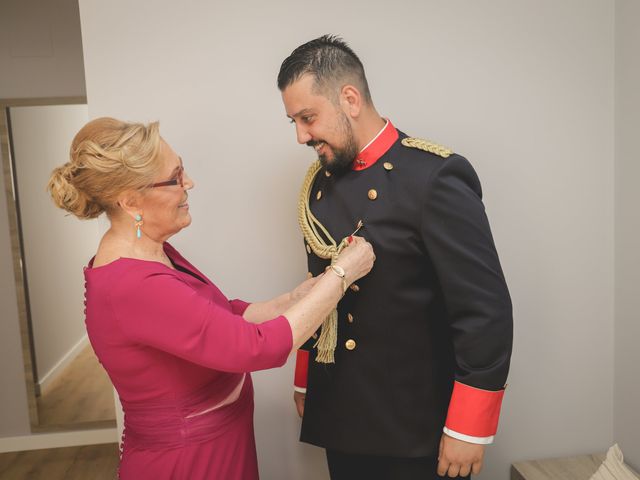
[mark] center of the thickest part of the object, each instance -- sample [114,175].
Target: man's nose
[302,134]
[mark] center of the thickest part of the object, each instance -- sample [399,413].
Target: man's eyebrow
[301,112]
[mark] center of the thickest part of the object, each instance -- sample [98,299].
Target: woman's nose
[187,182]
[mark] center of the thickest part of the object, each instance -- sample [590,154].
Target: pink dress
[178,352]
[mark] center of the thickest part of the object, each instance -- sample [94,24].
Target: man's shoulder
[417,160]
[420,155]
[426,146]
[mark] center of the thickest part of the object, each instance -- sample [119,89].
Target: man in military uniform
[406,379]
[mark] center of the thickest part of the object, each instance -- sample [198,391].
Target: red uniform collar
[377,147]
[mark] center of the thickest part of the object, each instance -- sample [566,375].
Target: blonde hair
[107,157]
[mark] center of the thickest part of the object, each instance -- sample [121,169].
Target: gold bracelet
[339,271]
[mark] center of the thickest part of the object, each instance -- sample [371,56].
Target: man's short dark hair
[331,62]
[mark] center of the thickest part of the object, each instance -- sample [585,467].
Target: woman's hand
[356,259]
[307,314]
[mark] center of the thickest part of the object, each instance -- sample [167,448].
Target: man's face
[320,124]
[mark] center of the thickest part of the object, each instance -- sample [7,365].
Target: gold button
[354,287]
[349,318]
[327,173]
[388,166]
[319,194]
[372,194]
[350,344]
[314,336]
[308,249]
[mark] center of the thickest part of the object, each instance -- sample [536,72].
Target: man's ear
[131,203]
[351,100]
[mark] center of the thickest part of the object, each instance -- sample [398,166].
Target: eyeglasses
[178,180]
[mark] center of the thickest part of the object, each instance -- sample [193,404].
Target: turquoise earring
[138,225]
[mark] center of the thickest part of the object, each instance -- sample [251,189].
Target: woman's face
[165,210]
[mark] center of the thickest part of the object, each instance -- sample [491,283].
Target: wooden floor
[567,468]
[95,462]
[81,394]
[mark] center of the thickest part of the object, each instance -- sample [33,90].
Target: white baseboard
[38,441]
[52,374]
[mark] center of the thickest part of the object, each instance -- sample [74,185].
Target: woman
[177,351]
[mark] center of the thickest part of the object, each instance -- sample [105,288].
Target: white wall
[627,326]
[40,49]
[524,89]
[56,245]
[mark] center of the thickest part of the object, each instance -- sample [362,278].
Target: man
[407,379]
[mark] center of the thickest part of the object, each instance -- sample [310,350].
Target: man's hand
[458,458]
[298,398]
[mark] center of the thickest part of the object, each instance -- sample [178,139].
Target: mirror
[67,388]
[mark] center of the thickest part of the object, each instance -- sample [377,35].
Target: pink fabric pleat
[209,445]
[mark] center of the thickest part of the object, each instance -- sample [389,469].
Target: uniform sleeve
[456,233]
[162,311]
[302,365]
[302,371]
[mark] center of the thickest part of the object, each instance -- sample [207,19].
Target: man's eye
[308,119]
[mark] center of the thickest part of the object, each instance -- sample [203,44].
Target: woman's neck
[119,242]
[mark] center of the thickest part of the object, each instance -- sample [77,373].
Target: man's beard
[344,156]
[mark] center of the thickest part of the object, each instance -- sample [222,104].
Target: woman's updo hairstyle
[107,157]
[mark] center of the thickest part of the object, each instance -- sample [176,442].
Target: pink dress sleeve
[238,306]
[161,310]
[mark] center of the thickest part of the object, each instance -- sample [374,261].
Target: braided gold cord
[427,146]
[309,224]
[329,249]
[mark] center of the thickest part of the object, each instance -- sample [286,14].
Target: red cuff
[238,306]
[302,365]
[473,411]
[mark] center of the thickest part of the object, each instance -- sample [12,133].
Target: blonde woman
[177,350]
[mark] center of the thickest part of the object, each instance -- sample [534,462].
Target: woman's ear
[351,100]
[131,203]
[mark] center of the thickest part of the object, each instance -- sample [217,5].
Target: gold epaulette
[427,146]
